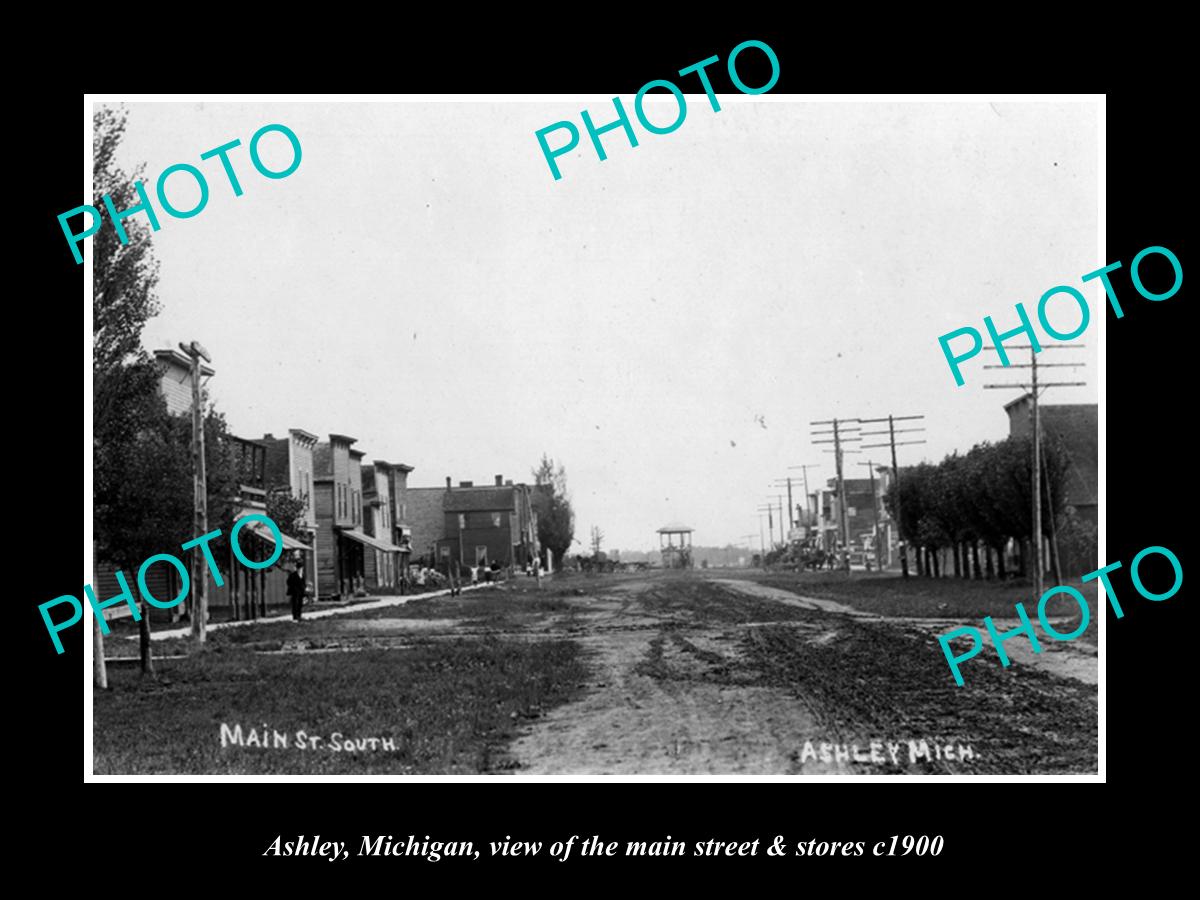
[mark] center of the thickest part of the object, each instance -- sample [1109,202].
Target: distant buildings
[469,525]
[867,520]
[360,526]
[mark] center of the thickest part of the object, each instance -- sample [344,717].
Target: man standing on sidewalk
[296,588]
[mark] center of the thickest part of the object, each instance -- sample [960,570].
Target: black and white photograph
[527,437]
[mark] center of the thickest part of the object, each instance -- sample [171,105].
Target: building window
[462,521]
[495,520]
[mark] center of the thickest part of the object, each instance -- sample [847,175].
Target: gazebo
[675,542]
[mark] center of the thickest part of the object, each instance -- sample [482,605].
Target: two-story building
[401,528]
[343,546]
[865,510]
[482,525]
[175,380]
[339,559]
[385,559]
[289,466]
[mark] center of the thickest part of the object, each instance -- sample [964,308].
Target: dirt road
[696,674]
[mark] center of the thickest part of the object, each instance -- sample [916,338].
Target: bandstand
[675,542]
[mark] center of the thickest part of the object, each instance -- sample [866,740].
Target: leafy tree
[124,378]
[985,495]
[914,497]
[983,506]
[124,280]
[287,511]
[141,457]
[556,517]
[144,505]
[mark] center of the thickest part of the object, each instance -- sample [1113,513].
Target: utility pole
[770,511]
[794,517]
[891,433]
[874,508]
[1035,389]
[805,468]
[842,433]
[200,494]
[779,483]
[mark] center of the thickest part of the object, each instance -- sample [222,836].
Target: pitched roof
[674,527]
[479,499]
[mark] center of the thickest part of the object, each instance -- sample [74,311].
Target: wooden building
[384,561]
[290,467]
[175,380]
[339,560]
[466,525]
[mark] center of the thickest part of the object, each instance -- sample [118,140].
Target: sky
[665,323]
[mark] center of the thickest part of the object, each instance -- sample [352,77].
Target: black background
[1006,832]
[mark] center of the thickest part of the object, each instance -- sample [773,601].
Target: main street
[674,673]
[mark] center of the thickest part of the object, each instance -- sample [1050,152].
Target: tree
[286,511]
[556,517]
[597,540]
[986,495]
[143,495]
[124,379]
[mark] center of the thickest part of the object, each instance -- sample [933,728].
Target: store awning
[363,538]
[261,530]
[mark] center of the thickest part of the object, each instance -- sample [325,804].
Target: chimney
[466,484]
[499,481]
[508,483]
[447,482]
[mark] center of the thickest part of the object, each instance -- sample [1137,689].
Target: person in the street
[452,576]
[296,589]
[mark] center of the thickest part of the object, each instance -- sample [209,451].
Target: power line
[891,432]
[1035,390]
[842,433]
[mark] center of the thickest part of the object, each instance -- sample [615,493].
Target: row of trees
[141,455]
[978,501]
